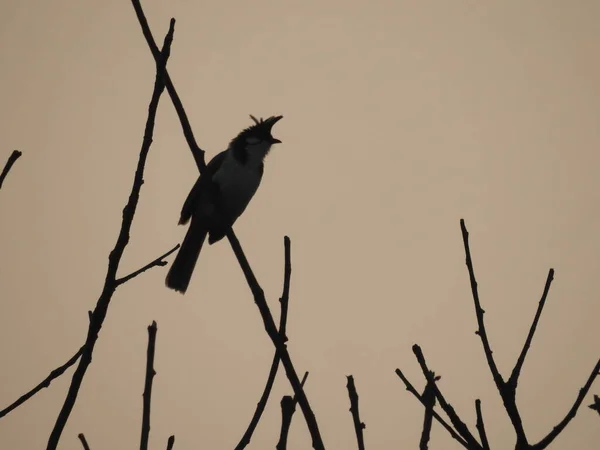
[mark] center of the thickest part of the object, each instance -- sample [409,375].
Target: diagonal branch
[160,261]
[284,300]
[458,424]
[150,372]
[16,154]
[514,376]
[546,441]
[171,442]
[99,314]
[481,426]
[44,384]
[288,408]
[429,401]
[84,443]
[358,425]
[410,388]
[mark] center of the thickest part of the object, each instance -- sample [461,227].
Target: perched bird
[221,195]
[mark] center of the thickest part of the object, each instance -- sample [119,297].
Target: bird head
[255,141]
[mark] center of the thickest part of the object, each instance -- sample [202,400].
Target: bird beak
[275,141]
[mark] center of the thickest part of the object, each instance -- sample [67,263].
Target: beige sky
[400,118]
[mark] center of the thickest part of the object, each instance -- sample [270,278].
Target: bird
[220,195]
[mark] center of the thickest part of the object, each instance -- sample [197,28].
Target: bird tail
[181,270]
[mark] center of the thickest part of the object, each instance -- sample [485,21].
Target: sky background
[400,118]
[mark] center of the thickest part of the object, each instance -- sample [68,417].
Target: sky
[400,118]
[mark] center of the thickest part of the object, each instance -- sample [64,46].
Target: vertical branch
[284,301]
[288,407]
[480,426]
[428,397]
[99,314]
[16,154]
[171,442]
[358,425]
[150,372]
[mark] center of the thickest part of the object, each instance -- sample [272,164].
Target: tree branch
[596,405]
[170,442]
[288,407]
[546,441]
[480,426]
[150,372]
[16,154]
[44,384]
[284,301]
[83,441]
[514,377]
[160,261]
[358,425]
[429,401]
[458,424]
[410,388]
[110,284]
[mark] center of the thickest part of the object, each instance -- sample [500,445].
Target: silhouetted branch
[284,301]
[44,384]
[358,425]
[596,405]
[458,424]
[83,441]
[170,442]
[572,412]
[16,154]
[150,372]
[410,388]
[288,407]
[514,377]
[157,262]
[481,426]
[429,402]
[110,284]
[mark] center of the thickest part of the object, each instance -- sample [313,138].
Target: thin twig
[410,388]
[150,372]
[458,424]
[596,405]
[284,301]
[481,426]
[288,407]
[44,384]
[171,442]
[514,376]
[110,284]
[546,441]
[16,154]
[358,425]
[160,261]
[429,400]
[84,443]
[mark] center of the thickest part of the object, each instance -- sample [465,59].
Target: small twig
[110,284]
[16,154]
[171,442]
[481,426]
[546,441]
[410,388]
[284,301]
[458,424]
[358,425]
[429,401]
[514,376]
[596,405]
[288,407]
[150,372]
[44,384]
[160,261]
[83,441]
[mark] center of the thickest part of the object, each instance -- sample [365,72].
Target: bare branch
[284,301]
[16,154]
[288,407]
[358,425]
[458,424]
[160,261]
[150,372]
[110,284]
[481,426]
[429,401]
[596,405]
[546,441]
[44,384]
[171,442]
[514,377]
[410,388]
[84,443]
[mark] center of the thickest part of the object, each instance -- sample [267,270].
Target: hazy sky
[400,118]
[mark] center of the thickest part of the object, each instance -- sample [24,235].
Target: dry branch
[358,425]
[288,407]
[84,443]
[16,154]
[147,397]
